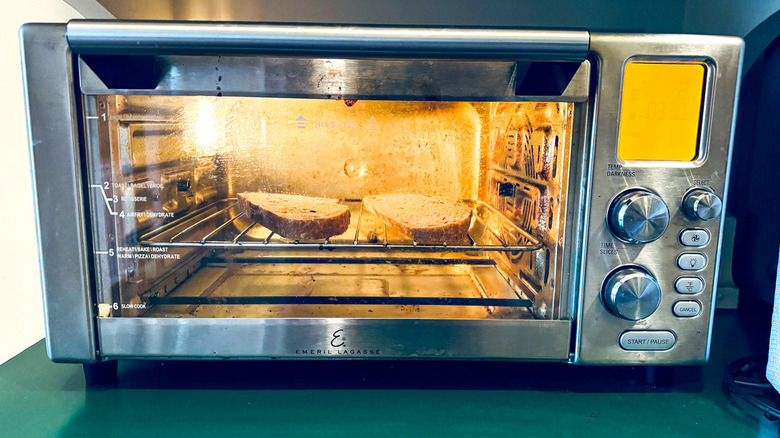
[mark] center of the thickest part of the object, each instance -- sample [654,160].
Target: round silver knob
[638,216]
[631,293]
[701,204]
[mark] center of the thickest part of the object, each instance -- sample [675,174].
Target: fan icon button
[694,237]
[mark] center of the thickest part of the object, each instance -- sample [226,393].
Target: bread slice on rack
[296,217]
[428,220]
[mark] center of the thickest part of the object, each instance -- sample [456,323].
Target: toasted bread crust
[429,220]
[296,217]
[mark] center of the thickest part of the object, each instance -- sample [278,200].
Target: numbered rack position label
[114,199]
[103,187]
[146,253]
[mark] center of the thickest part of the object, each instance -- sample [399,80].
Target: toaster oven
[593,168]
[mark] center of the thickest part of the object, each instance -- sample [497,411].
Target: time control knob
[631,293]
[638,216]
[701,204]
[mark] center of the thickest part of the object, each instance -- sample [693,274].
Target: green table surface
[376,398]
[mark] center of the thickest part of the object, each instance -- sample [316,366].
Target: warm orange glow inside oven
[343,150]
[506,161]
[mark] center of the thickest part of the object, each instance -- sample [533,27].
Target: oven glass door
[195,202]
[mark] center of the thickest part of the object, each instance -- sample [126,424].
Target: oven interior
[172,241]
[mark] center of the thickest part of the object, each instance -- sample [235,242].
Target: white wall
[21,311]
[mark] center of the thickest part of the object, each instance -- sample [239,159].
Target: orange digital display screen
[660,111]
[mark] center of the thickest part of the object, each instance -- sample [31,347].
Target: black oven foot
[100,373]
[659,375]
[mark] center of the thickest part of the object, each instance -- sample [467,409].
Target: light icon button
[690,261]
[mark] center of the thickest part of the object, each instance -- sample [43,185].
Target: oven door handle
[153,38]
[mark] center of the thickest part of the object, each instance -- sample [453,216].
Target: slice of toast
[429,220]
[296,217]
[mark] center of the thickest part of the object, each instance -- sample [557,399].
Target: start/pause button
[657,340]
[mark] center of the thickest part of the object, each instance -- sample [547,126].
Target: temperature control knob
[701,205]
[631,293]
[638,216]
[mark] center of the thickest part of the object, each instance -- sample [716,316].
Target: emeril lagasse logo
[335,341]
[338,347]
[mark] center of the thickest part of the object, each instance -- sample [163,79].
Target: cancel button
[657,340]
[686,309]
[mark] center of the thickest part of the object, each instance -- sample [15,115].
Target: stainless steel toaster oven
[592,167]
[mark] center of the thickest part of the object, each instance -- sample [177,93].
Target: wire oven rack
[207,226]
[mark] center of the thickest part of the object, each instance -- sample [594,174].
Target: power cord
[746,378]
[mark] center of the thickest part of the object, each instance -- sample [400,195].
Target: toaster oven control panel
[659,290]
[658,177]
